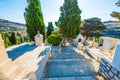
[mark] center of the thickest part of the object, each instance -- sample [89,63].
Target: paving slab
[69,62]
[70,68]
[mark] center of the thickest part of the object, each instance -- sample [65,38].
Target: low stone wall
[42,63]
[108,71]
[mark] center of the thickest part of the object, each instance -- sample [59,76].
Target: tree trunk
[64,41]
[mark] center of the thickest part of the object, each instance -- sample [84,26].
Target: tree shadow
[16,52]
[69,63]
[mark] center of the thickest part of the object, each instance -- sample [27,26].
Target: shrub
[6,42]
[18,41]
[54,39]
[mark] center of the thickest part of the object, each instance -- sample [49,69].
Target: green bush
[18,41]
[54,39]
[6,42]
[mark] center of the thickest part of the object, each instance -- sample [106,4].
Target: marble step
[5,65]
[12,70]
[5,75]
[14,73]
[19,74]
[76,78]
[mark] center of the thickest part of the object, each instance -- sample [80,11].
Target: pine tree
[34,19]
[70,19]
[115,14]
[13,38]
[50,28]
[92,27]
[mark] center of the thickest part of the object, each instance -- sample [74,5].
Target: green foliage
[116,14]
[2,34]
[26,38]
[50,28]
[118,3]
[92,27]
[70,19]
[21,39]
[5,38]
[18,41]
[34,19]
[13,38]
[6,42]
[54,39]
[56,32]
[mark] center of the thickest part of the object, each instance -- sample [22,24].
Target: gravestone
[38,39]
[80,38]
[116,57]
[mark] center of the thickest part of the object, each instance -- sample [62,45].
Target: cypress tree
[21,39]
[34,19]
[50,28]
[70,19]
[13,38]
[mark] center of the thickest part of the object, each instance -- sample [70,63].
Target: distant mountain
[9,25]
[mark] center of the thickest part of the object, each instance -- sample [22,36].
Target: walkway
[19,50]
[70,64]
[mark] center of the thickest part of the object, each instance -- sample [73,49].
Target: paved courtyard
[69,62]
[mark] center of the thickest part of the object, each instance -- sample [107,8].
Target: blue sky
[13,10]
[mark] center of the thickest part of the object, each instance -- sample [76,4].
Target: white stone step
[5,65]
[11,70]
[19,74]
[76,78]
[8,73]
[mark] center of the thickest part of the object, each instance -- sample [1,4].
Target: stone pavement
[71,64]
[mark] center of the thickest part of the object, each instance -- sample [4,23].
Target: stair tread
[20,73]
[76,78]
[11,70]
[5,66]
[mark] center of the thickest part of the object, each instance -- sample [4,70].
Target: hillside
[9,25]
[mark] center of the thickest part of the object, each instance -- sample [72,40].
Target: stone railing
[108,71]
[42,63]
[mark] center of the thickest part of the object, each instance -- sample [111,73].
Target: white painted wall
[107,43]
[116,57]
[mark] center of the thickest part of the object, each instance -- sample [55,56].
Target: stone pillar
[3,54]
[38,39]
[116,57]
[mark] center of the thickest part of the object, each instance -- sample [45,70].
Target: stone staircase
[70,65]
[11,71]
